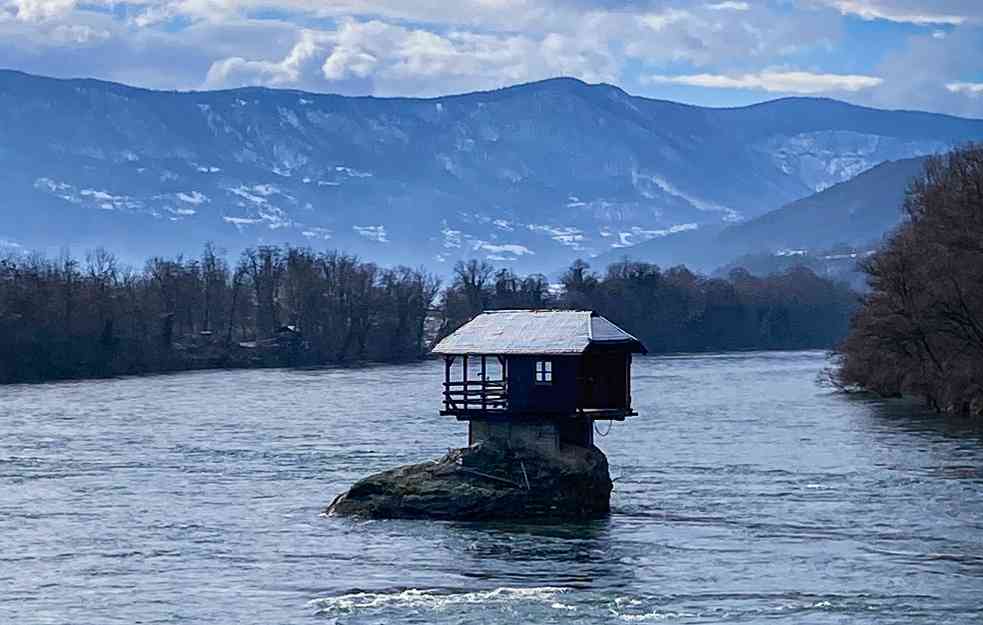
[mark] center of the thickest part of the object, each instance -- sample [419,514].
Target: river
[744,493]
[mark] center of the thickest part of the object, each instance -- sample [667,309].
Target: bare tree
[920,331]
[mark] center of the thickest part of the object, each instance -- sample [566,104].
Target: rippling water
[743,493]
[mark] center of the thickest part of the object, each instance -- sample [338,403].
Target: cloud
[660,21]
[774,81]
[78,34]
[725,35]
[37,10]
[392,47]
[413,61]
[435,47]
[729,5]
[908,11]
[303,60]
[972,89]
[933,74]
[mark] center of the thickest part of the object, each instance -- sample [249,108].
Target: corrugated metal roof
[534,332]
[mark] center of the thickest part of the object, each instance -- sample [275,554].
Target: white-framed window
[544,372]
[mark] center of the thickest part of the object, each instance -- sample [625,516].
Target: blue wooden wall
[560,396]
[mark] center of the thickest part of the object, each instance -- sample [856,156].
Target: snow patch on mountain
[289,117]
[611,211]
[316,232]
[195,197]
[452,238]
[824,158]
[246,193]
[636,234]
[375,233]
[273,217]
[447,164]
[171,206]
[351,172]
[216,123]
[643,183]
[568,236]
[256,199]
[503,251]
[258,194]
[62,190]
[10,246]
[510,175]
[238,222]
[92,198]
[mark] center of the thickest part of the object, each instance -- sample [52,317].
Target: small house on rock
[537,378]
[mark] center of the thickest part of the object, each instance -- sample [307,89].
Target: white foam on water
[655,616]
[437,600]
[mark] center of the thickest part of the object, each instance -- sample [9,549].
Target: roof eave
[467,352]
[636,346]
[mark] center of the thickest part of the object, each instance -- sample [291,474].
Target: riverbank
[230,359]
[245,358]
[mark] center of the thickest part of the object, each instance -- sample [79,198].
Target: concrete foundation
[542,436]
[547,436]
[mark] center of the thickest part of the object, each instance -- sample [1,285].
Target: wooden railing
[484,395]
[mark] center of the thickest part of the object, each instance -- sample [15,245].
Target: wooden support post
[484,385]
[448,361]
[465,380]
[628,381]
[505,379]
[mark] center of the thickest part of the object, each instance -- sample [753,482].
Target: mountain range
[532,175]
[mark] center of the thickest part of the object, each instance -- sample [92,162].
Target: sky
[911,54]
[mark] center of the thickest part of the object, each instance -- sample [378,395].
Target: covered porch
[475,384]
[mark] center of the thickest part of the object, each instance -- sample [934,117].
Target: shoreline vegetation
[919,331]
[277,306]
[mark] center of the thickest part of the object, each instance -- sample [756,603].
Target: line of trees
[672,310]
[920,330]
[65,318]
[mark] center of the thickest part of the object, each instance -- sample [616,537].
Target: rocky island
[486,481]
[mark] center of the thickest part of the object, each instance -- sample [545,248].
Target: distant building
[537,377]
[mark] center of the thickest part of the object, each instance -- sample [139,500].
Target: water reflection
[913,416]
